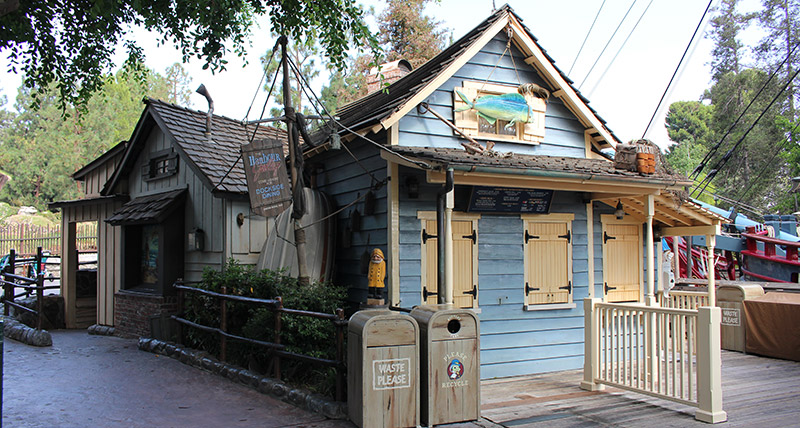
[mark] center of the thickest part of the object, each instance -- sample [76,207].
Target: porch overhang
[148,209]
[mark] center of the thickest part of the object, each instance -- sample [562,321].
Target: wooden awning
[673,216]
[148,209]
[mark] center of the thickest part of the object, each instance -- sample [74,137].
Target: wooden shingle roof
[213,159]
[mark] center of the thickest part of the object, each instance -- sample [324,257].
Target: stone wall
[133,312]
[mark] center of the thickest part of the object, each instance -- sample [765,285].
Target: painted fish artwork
[511,107]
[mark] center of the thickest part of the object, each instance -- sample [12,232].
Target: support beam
[448,246]
[711,242]
[649,244]
[713,229]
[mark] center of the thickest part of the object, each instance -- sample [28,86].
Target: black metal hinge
[426,293]
[528,237]
[608,288]
[473,292]
[426,236]
[473,237]
[606,237]
[567,287]
[567,236]
[528,289]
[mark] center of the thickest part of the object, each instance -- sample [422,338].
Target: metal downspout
[441,230]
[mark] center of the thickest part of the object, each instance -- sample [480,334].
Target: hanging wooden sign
[267,180]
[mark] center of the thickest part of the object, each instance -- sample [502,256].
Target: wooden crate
[450,365]
[383,369]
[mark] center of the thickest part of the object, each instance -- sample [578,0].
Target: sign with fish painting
[501,113]
[267,180]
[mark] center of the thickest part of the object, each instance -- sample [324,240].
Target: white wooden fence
[667,353]
[682,299]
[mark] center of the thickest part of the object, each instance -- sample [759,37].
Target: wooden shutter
[463,264]
[549,260]
[622,262]
[533,131]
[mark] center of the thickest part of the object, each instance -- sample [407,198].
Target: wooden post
[447,235]
[711,242]
[591,348]
[339,324]
[709,363]
[299,232]
[649,296]
[8,289]
[276,366]
[181,303]
[39,298]
[223,315]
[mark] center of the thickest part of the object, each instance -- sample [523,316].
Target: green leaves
[71,44]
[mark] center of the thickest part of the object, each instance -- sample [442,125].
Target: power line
[575,61]
[607,43]
[600,79]
[675,73]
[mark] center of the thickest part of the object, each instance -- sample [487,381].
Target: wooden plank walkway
[757,391]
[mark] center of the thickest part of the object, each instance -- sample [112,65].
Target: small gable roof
[381,109]
[213,159]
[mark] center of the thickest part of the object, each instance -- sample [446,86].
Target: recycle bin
[450,365]
[383,369]
[730,299]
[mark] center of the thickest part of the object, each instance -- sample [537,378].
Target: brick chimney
[392,72]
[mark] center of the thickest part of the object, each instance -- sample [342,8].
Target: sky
[625,93]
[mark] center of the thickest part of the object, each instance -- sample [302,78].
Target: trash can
[730,299]
[383,369]
[450,365]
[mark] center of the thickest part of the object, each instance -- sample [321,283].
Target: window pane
[149,261]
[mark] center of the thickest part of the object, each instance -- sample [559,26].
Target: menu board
[510,200]
[267,180]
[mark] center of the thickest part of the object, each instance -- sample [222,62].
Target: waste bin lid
[382,327]
[738,292]
[446,322]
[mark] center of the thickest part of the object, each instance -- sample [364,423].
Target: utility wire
[575,61]
[675,73]
[713,151]
[600,79]
[722,161]
[607,43]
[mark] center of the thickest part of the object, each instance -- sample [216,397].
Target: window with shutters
[472,124]
[622,259]
[548,261]
[465,259]
[161,164]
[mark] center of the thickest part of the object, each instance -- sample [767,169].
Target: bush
[300,334]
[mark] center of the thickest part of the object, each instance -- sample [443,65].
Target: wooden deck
[757,391]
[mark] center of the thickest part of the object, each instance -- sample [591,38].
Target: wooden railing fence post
[223,315]
[340,323]
[709,363]
[591,344]
[181,309]
[276,367]
[39,299]
[8,289]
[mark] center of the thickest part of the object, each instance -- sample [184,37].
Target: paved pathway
[96,381]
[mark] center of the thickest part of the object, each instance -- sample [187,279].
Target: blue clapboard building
[533,219]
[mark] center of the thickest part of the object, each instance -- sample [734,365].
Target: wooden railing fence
[25,238]
[673,354]
[276,348]
[683,299]
[11,281]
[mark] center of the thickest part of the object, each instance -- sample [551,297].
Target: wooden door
[549,262]
[622,262]
[464,282]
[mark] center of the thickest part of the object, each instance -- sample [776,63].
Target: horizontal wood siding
[563,131]
[344,179]
[513,341]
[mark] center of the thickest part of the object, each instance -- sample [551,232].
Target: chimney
[204,92]
[392,72]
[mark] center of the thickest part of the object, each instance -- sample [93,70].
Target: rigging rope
[600,79]
[575,61]
[722,161]
[607,43]
[713,151]
[675,73]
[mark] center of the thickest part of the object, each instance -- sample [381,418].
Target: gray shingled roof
[212,158]
[597,167]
